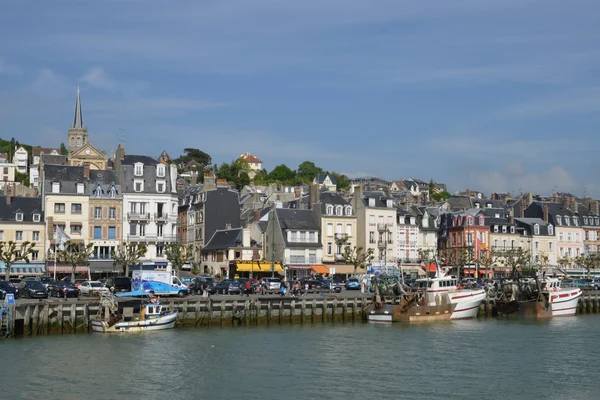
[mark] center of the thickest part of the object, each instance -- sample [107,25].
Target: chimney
[298,192]
[209,179]
[86,171]
[545,210]
[8,199]
[567,203]
[120,154]
[256,215]
[468,191]
[314,195]
[222,183]
[594,207]
[575,206]
[511,220]
[523,206]
[529,198]
[555,197]
[194,180]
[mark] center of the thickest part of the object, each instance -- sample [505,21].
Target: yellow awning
[265,266]
[248,267]
[320,269]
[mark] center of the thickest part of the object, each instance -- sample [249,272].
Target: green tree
[23,178]
[440,196]
[342,181]
[515,258]
[358,257]
[128,254]
[179,254]
[75,254]
[307,171]
[588,262]
[11,252]
[281,174]
[194,154]
[63,149]
[236,173]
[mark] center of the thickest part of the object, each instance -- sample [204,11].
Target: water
[487,359]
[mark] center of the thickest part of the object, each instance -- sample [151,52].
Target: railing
[161,216]
[137,215]
[382,227]
[152,238]
[100,257]
[296,260]
[341,236]
[381,244]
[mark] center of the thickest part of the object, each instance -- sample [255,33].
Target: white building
[21,160]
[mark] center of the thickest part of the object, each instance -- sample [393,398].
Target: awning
[320,269]
[265,266]
[23,269]
[67,269]
[345,269]
[248,267]
[298,266]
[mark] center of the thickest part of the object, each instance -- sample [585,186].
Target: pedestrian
[306,289]
[282,289]
[248,287]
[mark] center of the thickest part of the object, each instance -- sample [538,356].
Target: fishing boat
[542,298]
[152,316]
[431,299]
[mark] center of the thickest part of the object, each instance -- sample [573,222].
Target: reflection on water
[490,359]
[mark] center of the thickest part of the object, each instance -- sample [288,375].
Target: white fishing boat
[153,316]
[558,301]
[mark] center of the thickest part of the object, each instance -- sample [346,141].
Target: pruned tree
[358,257]
[587,261]
[515,258]
[12,252]
[564,261]
[75,254]
[488,260]
[128,254]
[179,254]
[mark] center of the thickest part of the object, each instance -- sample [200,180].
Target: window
[19,235]
[585,220]
[159,229]
[138,186]
[75,229]
[293,236]
[504,229]
[348,210]
[80,188]
[139,169]
[311,237]
[536,246]
[19,216]
[329,229]
[575,221]
[338,210]
[97,212]
[160,170]
[339,229]
[329,244]
[76,208]
[561,237]
[329,210]
[1,235]
[55,187]
[98,191]
[35,254]
[97,232]
[512,229]
[35,236]
[469,221]
[412,220]
[112,232]
[371,220]
[550,230]
[160,187]
[567,220]
[559,220]
[160,249]
[495,228]
[550,247]
[36,217]
[132,229]
[59,208]
[371,237]
[112,193]
[536,229]
[112,213]
[577,237]
[349,230]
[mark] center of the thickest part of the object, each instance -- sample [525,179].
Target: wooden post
[313,311]
[292,311]
[86,316]
[269,311]
[281,310]
[302,310]
[61,317]
[45,319]
[73,317]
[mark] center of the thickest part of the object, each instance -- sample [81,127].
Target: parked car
[333,286]
[15,280]
[64,289]
[118,284]
[353,284]
[236,287]
[90,288]
[33,290]
[48,282]
[596,283]
[7,287]
[221,287]
[271,284]
[79,282]
[584,284]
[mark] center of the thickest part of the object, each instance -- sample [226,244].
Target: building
[21,160]
[376,226]
[34,168]
[231,252]
[81,151]
[338,228]
[7,173]
[537,236]
[150,203]
[105,218]
[293,237]
[407,236]
[326,182]
[22,220]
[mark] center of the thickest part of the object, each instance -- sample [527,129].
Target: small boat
[559,301]
[432,299]
[153,316]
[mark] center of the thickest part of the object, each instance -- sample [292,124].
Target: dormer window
[512,229]
[412,220]
[19,216]
[371,202]
[495,228]
[481,220]
[469,221]
[138,169]
[459,221]
[597,221]
[559,220]
[55,187]
[585,220]
[575,221]
[338,210]
[477,205]
[550,230]
[504,229]
[348,211]
[36,217]
[160,171]
[567,220]
[389,203]
[329,210]
[98,191]
[80,188]
[112,193]
[536,229]
[160,186]
[489,205]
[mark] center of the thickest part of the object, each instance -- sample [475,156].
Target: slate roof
[320,178]
[459,202]
[27,205]
[536,210]
[48,159]
[133,159]
[529,223]
[297,219]
[36,151]
[379,196]
[68,176]
[329,198]
[225,239]
[105,179]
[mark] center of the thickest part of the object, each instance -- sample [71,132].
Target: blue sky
[489,95]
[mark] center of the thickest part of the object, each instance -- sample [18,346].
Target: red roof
[250,158]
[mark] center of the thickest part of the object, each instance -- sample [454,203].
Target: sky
[494,96]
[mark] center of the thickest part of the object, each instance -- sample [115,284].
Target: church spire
[78,118]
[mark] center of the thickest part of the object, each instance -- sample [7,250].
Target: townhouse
[338,226]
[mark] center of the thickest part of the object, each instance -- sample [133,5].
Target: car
[333,286]
[236,288]
[596,283]
[48,282]
[79,282]
[584,284]
[221,287]
[118,284]
[271,284]
[64,289]
[7,287]
[352,284]
[32,290]
[90,288]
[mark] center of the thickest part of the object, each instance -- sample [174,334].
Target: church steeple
[78,118]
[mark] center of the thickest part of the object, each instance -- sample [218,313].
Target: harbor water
[482,359]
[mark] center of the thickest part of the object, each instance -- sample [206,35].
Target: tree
[281,174]
[489,259]
[236,173]
[63,149]
[194,154]
[515,258]
[587,261]
[358,257]
[307,171]
[432,187]
[440,196]
[75,254]
[179,254]
[11,252]
[342,181]
[128,254]
[564,261]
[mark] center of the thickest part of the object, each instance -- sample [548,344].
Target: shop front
[23,270]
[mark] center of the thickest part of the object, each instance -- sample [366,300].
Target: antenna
[122,140]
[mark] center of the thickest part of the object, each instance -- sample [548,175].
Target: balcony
[138,216]
[382,244]
[152,238]
[161,216]
[382,227]
[342,237]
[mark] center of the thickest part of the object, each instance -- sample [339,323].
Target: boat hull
[155,324]
[416,314]
[562,303]
[467,303]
